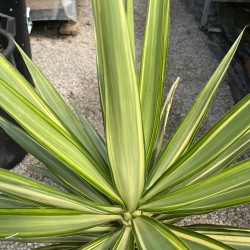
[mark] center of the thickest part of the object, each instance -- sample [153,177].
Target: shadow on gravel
[225,22]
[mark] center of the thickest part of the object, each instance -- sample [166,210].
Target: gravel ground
[69,62]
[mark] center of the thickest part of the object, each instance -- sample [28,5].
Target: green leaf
[46,173]
[196,241]
[207,149]
[62,111]
[100,230]
[85,236]
[65,174]
[163,122]
[125,240]
[153,67]
[164,218]
[123,124]
[104,242]
[63,239]
[100,78]
[151,234]
[92,133]
[184,135]
[225,160]
[33,191]
[238,238]
[27,223]
[55,140]
[10,75]
[130,21]
[9,202]
[226,199]
[227,188]
[58,247]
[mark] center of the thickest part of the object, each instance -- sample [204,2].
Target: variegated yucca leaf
[123,123]
[152,72]
[67,118]
[66,175]
[47,222]
[129,190]
[238,238]
[104,242]
[184,135]
[207,149]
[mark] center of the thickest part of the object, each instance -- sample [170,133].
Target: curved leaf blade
[63,239]
[123,124]
[151,234]
[47,133]
[196,241]
[29,223]
[65,174]
[238,238]
[92,133]
[85,236]
[221,190]
[226,159]
[207,149]
[9,202]
[39,193]
[129,6]
[11,75]
[58,247]
[62,111]
[153,67]
[125,240]
[163,122]
[187,130]
[104,242]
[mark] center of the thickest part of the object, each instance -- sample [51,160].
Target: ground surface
[225,21]
[69,62]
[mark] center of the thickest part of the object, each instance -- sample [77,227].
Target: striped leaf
[104,242]
[207,149]
[99,65]
[46,173]
[196,241]
[153,67]
[187,130]
[38,193]
[238,238]
[27,223]
[163,122]
[225,160]
[152,235]
[125,240]
[227,188]
[123,125]
[92,133]
[54,139]
[65,174]
[15,80]
[130,20]
[9,202]
[85,236]
[61,110]
[123,193]
[59,246]
[69,239]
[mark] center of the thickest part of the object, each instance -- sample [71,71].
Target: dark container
[13,25]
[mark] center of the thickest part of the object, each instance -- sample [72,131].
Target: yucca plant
[129,190]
